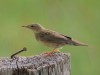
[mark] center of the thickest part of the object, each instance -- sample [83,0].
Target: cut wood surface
[56,64]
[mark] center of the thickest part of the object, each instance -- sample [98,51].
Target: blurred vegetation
[79,19]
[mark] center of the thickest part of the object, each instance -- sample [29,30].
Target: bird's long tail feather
[77,43]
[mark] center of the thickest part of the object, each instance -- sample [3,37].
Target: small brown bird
[51,38]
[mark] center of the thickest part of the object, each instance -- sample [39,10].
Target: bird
[52,38]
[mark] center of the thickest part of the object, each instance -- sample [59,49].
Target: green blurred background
[79,19]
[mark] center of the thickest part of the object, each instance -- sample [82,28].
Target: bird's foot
[51,53]
[47,54]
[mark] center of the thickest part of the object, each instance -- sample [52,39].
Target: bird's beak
[24,26]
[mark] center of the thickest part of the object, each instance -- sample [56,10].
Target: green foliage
[80,19]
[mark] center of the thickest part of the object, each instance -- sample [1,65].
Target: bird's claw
[50,53]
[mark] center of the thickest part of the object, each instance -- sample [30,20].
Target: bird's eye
[32,26]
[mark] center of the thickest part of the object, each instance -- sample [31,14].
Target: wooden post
[56,64]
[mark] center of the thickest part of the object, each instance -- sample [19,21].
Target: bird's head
[34,27]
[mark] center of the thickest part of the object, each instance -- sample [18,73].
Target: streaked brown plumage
[51,38]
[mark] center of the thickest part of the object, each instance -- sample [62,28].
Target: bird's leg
[55,50]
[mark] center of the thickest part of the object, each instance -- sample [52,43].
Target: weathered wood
[57,64]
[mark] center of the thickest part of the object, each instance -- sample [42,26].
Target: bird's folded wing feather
[53,36]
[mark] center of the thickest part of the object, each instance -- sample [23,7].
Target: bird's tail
[77,43]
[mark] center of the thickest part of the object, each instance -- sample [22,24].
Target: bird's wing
[61,35]
[53,36]
[66,36]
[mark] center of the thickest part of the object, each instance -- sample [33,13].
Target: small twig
[13,55]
